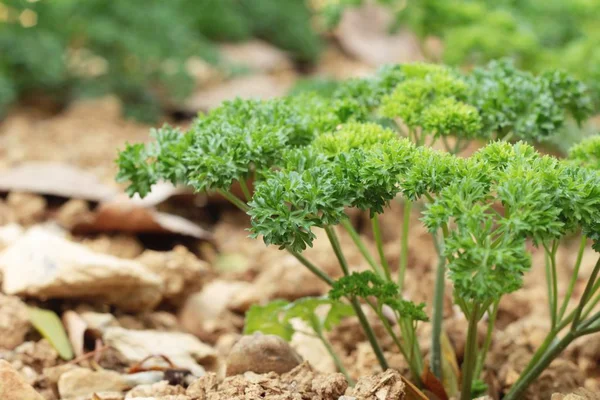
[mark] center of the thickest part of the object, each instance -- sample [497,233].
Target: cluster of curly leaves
[243,139]
[312,156]
[490,203]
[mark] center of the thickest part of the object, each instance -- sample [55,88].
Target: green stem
[468,367]
[586,294]
[404,244]
[336,360]
[312,268]
[362,318]
[395,339]
[245,189]
[379,243]
[517,390]
[554,281]
[233,199]
[360,244]
[574,277]
[552,301]
[337,249]
[438,312]
[488,340]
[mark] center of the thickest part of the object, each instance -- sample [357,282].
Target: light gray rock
[42,265]
[184,350]
[80,382]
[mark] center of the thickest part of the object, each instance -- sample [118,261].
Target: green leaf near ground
[49,325]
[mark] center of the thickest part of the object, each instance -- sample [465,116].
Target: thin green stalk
[379,243]
[457,146]
[488,340]
[360,244]
[336,360]
[517,390]
[395,339]
[554,280]
[468,367]
[245,189]
[550,287]
[312,268]
[574,277]
[404,244]
[409,335]
[586,294]
[438,312]
[362,318]
[233,199]
[590,306]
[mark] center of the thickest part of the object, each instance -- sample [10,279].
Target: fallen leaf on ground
[50,327]
[127,216]
[55,179]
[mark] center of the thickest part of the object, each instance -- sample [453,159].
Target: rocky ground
[152,293]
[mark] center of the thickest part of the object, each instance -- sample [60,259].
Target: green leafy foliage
[524,106]
[586,153]
[432,100]
[368,284]
[543,199]
[74,48]
[345,173]
[275,317]
[239,139]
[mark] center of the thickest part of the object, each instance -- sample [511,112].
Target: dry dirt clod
[181,271]
[386,385]
[184,350]
[579,394]
[261,354]
[13,385]
[7,215]
[120,245]
[14,323]
[73,213]
[80,382]
[199,389]
[159,389]
[205,313]
[43,265]
[28,208]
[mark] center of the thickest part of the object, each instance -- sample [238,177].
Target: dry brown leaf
[413,392]
[127,216]
[433,384]
[450,368]
[55,179]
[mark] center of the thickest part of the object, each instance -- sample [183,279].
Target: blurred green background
[139,49]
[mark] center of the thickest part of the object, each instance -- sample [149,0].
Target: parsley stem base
[468,367]
[438,312]
[362,318]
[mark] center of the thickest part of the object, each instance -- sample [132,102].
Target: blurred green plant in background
[136,49]
[537,34]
